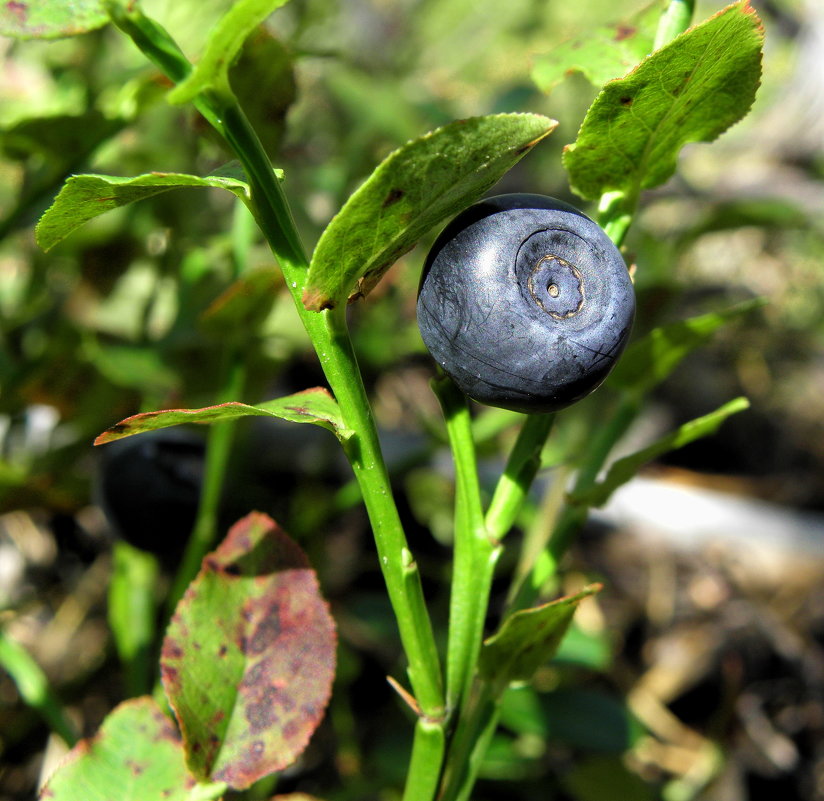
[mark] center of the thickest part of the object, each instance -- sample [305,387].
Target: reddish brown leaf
[249,656]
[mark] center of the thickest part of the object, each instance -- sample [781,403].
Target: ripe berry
[525,302]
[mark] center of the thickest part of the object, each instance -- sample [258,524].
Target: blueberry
[149,489]
[525,302]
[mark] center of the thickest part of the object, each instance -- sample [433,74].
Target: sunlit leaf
[84,197]
[50,19]
[309,406]
[411,191]
[223,47]
[691,90]
[528,639]
[605,53]
[624,469]
[249,657]
[136,755]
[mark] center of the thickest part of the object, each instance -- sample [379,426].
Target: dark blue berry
[525,302]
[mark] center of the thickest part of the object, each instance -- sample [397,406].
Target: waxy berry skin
[525,302]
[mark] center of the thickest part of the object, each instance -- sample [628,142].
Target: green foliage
[96,770]
[412,190]
[309,406]
[179,304]
[51,19]
[527,639]
[33,685]
[250,624]
[84,197]
[624,469]
[650,360]
[245,304]
[604,53]
[691,90]
[223,47]
[590,720]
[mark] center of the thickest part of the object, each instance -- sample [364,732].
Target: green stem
[34,687]
[475,554]
[470,742]
[330,337]
[674,21]
[425,764]
[615,213]
[521,468]
[363,449]
[477,548]
[573,516]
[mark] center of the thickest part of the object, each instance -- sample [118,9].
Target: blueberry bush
[161,300]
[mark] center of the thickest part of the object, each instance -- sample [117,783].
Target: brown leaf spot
[266,632]
[291,730]
[135,768]
[256,674]
[212,564]
[316,301]
[624,32]
[392,197]
[262,714]
[626,101]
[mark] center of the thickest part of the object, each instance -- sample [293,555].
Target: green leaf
[84,197]
[223,47]
[309,406]
[136,755]
[692,90]
[249,656]
[624,469]
[647,362]
[412,190]
[528,639]
[50,19]
[606,53]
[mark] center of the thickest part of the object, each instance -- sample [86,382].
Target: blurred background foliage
[121,318]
